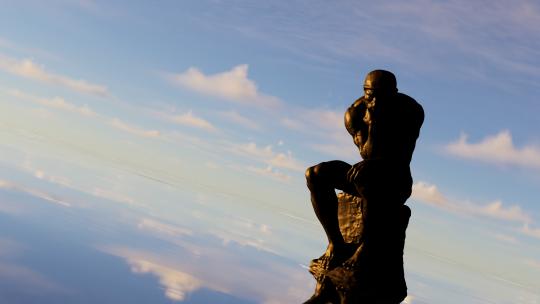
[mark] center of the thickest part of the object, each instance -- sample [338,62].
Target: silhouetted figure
[384,125]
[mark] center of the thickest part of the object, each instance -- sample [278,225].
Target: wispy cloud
[124,126]
[189,119]
[210,266]
[111,195]
[318,119]
[268,156]
[41,174]
[286,161]
[498,211]
[55,102]
[506,238]
[533,263]
[61,104]
[326,129]
[26,281]
[532,232]
[428,193]
[271,172]
[29,69]
[162,228]
[498,149]
[34,192]
[233,85]
[337,144]
[462,33]
[238,119]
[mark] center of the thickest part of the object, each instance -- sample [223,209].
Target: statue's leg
[322,180]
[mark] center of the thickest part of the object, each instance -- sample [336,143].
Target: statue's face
[372,87]
[369,93]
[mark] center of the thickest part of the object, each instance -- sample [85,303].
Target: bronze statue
[384,125]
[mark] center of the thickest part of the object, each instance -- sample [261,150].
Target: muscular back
[386,130]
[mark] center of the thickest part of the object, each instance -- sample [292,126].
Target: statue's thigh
[334,174]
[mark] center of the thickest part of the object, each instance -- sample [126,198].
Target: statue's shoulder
[411,105]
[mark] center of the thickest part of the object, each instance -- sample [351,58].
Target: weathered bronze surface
[365,225]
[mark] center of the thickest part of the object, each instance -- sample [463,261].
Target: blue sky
[169,140]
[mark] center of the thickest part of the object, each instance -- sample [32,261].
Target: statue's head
[379,83]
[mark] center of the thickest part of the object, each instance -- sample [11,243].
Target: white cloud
[497,149]
[55,102]
[188,119]
[238,119]
[251,149]
[268,156]
[409,300]
[210,266]
[242,238]
[506,238]
[212,165]
[162,228]
[532,232]
[34,192]
[286,161]
[233,85]
[427,193]
[270,172]
[41,174]
[121,125]
[28,69]
[533,263]
[498,211]
[112,195]
[177,284]
[265,229]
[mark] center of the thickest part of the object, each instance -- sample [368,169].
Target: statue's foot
[343,278]
[325,293]
[352,263]
[334,256]
[316,299]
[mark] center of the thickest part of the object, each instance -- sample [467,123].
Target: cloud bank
[429,194]
[498,149]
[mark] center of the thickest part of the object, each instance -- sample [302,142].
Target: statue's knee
[312,174]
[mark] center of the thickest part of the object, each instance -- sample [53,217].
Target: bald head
[380,80]
[379,83]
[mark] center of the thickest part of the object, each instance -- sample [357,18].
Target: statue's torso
[388,132]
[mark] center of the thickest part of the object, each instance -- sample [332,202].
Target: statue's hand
[354,171]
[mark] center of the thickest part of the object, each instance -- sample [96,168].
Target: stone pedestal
[379,276]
